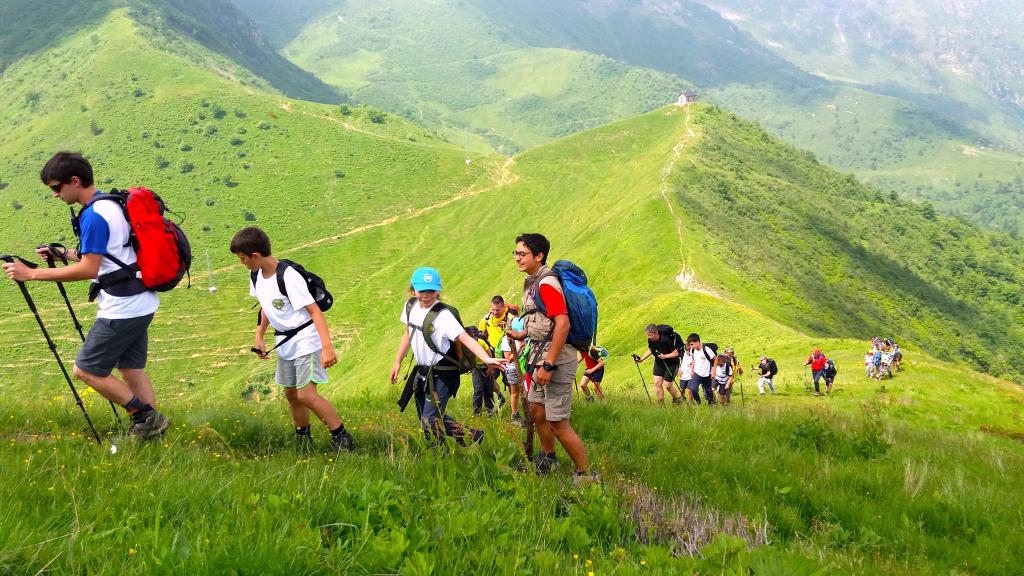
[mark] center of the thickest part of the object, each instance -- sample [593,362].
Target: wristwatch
[549,366]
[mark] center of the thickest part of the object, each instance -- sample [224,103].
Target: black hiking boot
[476,436]
[303,437]
[546,463]
[152,426]
[342,441]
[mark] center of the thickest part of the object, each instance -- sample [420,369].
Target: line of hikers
[883,358]
[127,247]
[698,367]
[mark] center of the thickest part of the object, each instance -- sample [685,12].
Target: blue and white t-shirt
[105,231]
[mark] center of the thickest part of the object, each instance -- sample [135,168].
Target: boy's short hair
[251,240]
[63,165]
[537,244]
[497,300]
[651,328]
[693,337]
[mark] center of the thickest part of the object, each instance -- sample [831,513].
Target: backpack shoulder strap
[282,265]
[252,277]
[710,359]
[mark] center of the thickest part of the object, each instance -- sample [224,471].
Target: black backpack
[830,369]
[714,350]
[317,288]
[773,368]
[669,333]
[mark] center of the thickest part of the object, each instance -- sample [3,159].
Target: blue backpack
[579,301]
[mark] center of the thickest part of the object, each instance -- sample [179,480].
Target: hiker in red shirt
[817,362]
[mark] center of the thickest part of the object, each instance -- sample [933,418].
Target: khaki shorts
[556,396]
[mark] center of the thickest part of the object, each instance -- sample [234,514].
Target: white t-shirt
[105,231]
[446,330]
[686,367]
[701,364]
[869,359]
[287,312]
[721,375]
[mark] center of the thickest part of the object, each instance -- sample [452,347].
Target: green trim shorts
[300,371]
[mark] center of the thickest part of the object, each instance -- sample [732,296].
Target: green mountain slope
[26,27]
[472,74]
[915,475]
[519,74]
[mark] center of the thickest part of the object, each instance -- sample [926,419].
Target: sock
[303,430]
[339,430]
[138,409]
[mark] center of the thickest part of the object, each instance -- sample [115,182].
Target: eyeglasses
[519,254]
[56,187]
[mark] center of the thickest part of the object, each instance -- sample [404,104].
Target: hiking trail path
[687,278]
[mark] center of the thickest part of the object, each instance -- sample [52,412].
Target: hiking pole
[62,253]
[641,373]
[49,342]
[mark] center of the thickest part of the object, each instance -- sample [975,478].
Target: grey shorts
[111,344]
[300,371]
[556,396]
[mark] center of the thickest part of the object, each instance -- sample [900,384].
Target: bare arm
[328,357]
[403,349]
[479,351]
[88,268]
[261,331]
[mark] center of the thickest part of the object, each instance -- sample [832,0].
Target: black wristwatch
[549,366]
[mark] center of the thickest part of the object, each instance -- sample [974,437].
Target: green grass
[519,74]
[474,76]
[919,474]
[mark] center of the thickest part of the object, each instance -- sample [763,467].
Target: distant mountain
[27,27]
[519,73]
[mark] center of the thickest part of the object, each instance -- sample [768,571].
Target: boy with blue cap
[433,330]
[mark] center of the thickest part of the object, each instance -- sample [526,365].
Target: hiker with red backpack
[817,361]
[552,362]
[293,302]
[122,282]
[442,350]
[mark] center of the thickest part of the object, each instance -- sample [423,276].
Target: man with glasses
[552,363]
[119,337]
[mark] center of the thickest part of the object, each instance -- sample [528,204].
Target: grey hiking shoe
[581,478]
[518,420]
[546,463]
[678,400]
[152,426]
[342,441]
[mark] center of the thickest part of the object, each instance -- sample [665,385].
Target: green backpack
[462,359]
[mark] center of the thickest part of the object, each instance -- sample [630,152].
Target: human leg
[479,382]
[299,411]
[693,387]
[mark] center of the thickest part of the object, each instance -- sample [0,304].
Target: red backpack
[163,255]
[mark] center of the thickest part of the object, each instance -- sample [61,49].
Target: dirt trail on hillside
[687,278]
[500,176]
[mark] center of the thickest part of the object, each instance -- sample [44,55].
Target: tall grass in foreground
[761,489]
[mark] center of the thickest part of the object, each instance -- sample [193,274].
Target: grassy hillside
[474,75]
[518,74]
[914,475]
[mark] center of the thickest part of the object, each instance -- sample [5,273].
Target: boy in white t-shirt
[304,351]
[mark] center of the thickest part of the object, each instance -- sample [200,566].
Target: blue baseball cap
[426,278]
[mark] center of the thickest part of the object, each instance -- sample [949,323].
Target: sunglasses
[56,187]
